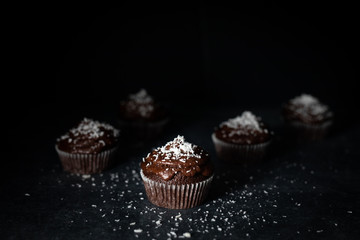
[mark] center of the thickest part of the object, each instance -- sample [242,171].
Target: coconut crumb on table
[122,201]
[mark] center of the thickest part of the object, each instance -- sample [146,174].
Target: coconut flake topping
[310,103]
[141,102]
[246,120]
[305,99]
[178,148]
[93,129]
[141,97]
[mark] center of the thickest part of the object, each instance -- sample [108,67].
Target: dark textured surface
[298,192]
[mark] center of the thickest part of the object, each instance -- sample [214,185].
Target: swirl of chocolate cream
[176,157]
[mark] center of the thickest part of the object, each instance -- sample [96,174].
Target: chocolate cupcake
[242,140]
[177,175]
[140,117]
[88,148]
[307,118]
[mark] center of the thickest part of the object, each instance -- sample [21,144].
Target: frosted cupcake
[141,117]
[88,148]
[242,140]
[307,118]
[177,175]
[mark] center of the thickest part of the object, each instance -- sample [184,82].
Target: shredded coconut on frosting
[141,102]
[92,129]
[141,97]
[178,148]
[305,99]
[247,119]
[310,104]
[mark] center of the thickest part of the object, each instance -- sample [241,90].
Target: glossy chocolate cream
[89,137]
[306,109]
[178,162]
[141,106]
[243,130]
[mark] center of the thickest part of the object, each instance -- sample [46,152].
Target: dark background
[248,55]
[66,63]
[74,62]
[242,55]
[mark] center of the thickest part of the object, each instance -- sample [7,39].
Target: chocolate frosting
[141,106]
[306,109]
[177,158]
[89,137]
[243,130]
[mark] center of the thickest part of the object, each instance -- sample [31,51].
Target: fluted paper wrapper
[239,154]
[86,163]
[306,132]
[142,130]
[175,196]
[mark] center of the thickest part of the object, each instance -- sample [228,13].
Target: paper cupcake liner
[142,130]
[86,163]
[175,196]
[307,132]
[239,154]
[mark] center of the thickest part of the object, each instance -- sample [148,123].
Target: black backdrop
[248,56]
[74,61]
[210,53]
[67,63]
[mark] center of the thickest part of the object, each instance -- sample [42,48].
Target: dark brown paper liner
[175,196]
[306,132]
[86,163]
[240,154]
[142,130]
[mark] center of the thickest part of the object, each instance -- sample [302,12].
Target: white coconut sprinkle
[305,99]
[178,148]
[141,97]
[310,104]
[140,102]
[138,230]
[246,120]
[91,128]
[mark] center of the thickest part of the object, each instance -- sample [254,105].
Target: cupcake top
[307,109]
[177,161]
[89,137]
[140,106]
[243,130]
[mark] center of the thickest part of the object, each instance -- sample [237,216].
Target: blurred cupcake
[307,118]
[177,175]
[242,140]
[140,117]
[88,148]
